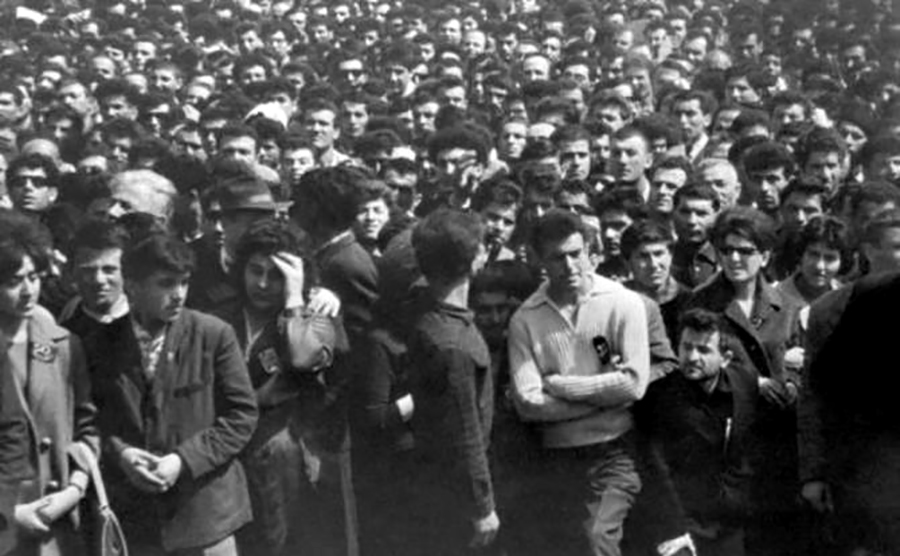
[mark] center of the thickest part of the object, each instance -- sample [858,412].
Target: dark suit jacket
[40,420]
[349,271]
[199,404]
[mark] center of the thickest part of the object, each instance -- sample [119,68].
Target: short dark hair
[99,234]
[556,225]
[708,104]
[833,233]
[645,231]
[22,236]
[333,193]
[768,156]
[457,137]
[446,243]
[704,321]
[497,190]
[157,252]
[748,223]
[33,161]
[699,192]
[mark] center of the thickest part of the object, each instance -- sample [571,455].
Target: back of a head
[446,244]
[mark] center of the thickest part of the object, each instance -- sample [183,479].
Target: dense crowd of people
[512,277]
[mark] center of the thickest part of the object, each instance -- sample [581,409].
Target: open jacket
[40,421]
[199,404]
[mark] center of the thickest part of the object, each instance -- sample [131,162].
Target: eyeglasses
[728,250]
[22,181]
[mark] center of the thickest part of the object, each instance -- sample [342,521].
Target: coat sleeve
[85,412]
[236,411]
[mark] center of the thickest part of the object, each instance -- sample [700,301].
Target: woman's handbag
[107,536]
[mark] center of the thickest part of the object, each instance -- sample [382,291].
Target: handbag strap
[86,458]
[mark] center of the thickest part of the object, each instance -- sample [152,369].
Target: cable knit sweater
[557,377]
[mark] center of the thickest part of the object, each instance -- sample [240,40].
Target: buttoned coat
[200,405]
[39,422]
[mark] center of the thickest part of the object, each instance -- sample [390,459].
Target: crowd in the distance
[419,278]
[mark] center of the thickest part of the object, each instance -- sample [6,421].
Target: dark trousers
[580,500]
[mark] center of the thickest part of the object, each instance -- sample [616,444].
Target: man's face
[197,95]
[19,294]
[492,311]
[738,89]
[769,182]
[341,13]
[354,119]
[474,43]
[567,263]
[426,51]
[31,191]
[700,356]
[506,46]
[98,277]
[693,218]
[724,180]
[749,48]
[160,297]
[886,166]
[399,78]
[665,183]
[798,209]
[853,135]
[454,96]
[321,34]
[321,128]
[250,41]
[117,107]
[279,43]
[825,168]
[784,114]
[691,119]
[612,225]
[424,115]
[63,130]
[853,58]
[575,159]
[551,47]
[512,140]
[579,73]
[622,42]
[576,99]
[190,144]
[75,96]
[103,68]
[450,31]
[651,264]
[611,115]
[352,74]
[695,50]
[772,65]
[536,68]
[241,148]
[640,81]
[296,162]
[499,221]
[143,52]
[630,159]
[884,255]
[9,109]
[456,162]
[252,74]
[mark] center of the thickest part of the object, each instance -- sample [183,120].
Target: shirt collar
[599,286]
[119,309]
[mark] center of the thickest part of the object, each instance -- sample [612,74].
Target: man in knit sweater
[578,359]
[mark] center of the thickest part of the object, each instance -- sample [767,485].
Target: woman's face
[263,283]
[741,260]
[371,218]
[19,293]
[820,265]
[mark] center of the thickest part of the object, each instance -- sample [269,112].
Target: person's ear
[727,358]
[53,194]
[766,255]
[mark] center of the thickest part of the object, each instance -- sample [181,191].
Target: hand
[485,531]
[406,407]
[168,469]
[324,302]
[59,504]
[28,517]
[818,494]
[291,266]
[773,391]
[139,466]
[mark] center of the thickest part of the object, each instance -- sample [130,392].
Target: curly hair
[267,237]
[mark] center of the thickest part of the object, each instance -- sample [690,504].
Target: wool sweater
[557,377]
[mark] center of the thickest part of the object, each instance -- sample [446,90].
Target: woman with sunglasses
[762,321]
[288,343]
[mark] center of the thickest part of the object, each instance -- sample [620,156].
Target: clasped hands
[150,473]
